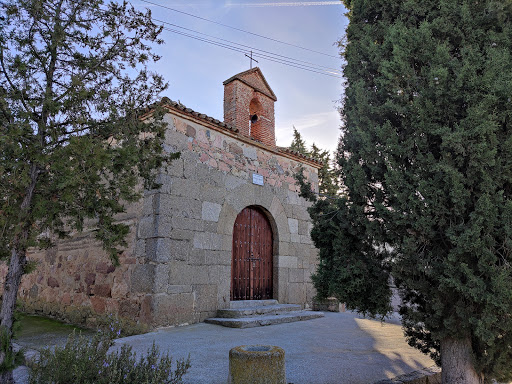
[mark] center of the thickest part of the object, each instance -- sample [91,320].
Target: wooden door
[251,267]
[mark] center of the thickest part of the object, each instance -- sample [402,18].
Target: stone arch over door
[252,265]
[237,199]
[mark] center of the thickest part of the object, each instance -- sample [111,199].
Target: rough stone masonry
[177,268]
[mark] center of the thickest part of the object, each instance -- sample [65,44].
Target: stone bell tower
[249,106]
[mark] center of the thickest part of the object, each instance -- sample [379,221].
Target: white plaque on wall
[257,179]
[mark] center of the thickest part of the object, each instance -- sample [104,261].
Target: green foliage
[426,159]
[86,361]
[80,316]
[11,358]
[351,268]
[328,184]
[298,144]
[77,141]
[306,189]
[127,327]
[73,92]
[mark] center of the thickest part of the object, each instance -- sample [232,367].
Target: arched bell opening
[255,119]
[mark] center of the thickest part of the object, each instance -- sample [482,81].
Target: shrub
[11,358]
[88,361]
[127,326]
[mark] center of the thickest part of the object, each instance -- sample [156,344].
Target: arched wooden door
[251,267]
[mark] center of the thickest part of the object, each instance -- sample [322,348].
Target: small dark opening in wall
[255,113]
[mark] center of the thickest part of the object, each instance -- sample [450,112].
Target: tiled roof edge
[300,155]
[166,102]
[239,76]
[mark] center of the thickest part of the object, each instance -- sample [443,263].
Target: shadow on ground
[392,355]
[339,348]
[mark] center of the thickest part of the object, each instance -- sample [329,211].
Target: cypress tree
[426,159]
[298,144]
[327,177]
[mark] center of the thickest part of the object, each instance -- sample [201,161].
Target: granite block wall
[177,266]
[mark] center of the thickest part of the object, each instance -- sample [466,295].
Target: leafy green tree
[327,176]
[426,159]
[73,89]
[298,144]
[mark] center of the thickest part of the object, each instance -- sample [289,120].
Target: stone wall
[177,266]
[75,280]
[188,236]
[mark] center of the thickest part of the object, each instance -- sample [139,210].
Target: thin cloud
[287,4]
[320,128]
[176,5]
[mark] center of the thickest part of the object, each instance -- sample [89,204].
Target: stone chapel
[226,225]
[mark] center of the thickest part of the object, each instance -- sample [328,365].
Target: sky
[195,69]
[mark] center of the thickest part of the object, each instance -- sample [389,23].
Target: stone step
[276,309]
[236,304]
[262,320]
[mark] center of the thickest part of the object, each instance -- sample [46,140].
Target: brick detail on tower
[249,106]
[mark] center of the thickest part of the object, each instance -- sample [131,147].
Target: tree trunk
[457,362]
[17,265]
[12,283]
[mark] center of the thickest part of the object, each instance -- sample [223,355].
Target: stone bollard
[256,364]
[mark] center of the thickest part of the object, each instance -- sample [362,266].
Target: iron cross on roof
[250,57]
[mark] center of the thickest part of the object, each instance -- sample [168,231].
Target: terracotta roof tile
[168,103]
[239,76]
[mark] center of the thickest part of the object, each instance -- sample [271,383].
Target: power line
[238,29]
[267,57]
[270,56]
[285,58]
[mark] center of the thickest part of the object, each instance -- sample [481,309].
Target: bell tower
[249,106]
